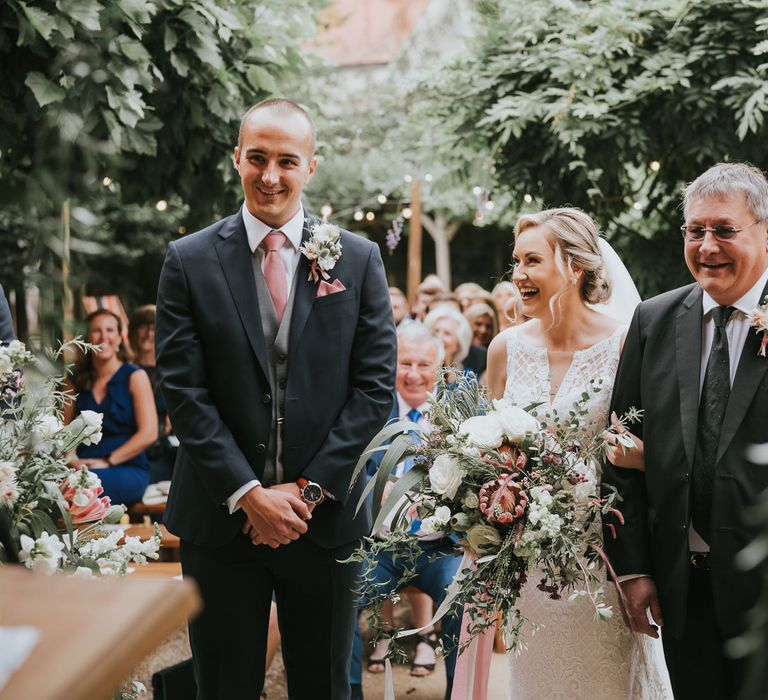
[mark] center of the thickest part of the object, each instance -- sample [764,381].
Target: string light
[382,198]
[527,198]
[326,210]
[655,166]
[638,205]
[358,215]
[408,178]
[107,181]
[477,190]
[489,205]
[182,230]
[428,177]
[162,205]
[407,213]
[370,216]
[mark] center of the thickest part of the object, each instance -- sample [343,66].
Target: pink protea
[86,505]
[502,500]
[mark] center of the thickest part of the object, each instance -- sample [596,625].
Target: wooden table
[93,631]
[167,570]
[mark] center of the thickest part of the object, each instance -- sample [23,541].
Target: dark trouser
[316,613]
[697,663]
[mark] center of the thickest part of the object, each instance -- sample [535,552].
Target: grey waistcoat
[276,341]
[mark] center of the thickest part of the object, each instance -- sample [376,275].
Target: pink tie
[274,271]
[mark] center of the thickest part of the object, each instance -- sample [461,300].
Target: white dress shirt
[257,230]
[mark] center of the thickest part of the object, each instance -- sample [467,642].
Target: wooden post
[69,300]
[414,242]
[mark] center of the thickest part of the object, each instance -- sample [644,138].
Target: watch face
[312,493]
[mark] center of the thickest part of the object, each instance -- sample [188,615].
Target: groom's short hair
[725,179]
[281,105]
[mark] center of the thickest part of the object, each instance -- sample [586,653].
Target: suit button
[261,448]
[281,359]
[266,398]
[283,383]
[687,476]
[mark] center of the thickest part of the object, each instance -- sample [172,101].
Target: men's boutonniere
[760,323]
[323,249]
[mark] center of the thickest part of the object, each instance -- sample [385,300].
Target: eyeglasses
[721,233]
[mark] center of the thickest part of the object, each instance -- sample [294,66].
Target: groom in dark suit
[275,380]
[691,362]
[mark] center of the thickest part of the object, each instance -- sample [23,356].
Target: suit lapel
[305,290]
[749,374]
[688,357]
[236,262]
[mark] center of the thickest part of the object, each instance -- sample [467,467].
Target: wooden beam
[414,242]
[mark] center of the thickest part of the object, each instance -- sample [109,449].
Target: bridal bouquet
[53,516]
[521,499]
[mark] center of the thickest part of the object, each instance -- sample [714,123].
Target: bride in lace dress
[570,343]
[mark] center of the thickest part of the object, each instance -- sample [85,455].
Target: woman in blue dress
[121,391]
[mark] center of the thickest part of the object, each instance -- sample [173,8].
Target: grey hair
[576,241]
[282,106]
[417,332]
[483,309]
[463,329]
[727,178]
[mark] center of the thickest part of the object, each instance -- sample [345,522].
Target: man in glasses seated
[692,362]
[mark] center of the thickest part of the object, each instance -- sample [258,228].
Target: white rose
[442,515]
[429,526]
[471,500]
[515,422]
[326,233]
[445,476]
[92,419]
[481,536]
[46,427]
[483,430]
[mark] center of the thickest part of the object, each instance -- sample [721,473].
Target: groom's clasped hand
[275,515]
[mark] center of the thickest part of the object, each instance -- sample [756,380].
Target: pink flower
[502,500]
[86,505]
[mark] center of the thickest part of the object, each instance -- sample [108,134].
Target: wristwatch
[311,493]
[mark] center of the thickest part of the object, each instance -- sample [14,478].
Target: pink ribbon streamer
[473,665]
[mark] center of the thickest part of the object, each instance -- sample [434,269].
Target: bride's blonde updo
[575,239]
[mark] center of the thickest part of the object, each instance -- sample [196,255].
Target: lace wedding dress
[573,656]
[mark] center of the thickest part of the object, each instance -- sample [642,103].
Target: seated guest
[466,294]
[6,323]
[456,334]
[419,355]
[399,301]
[141,338]
[429,288]
[482,318]
[121,391]
[506,299]
[444,299]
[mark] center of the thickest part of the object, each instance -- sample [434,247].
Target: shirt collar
[747,304]
[256,229]
[403,408]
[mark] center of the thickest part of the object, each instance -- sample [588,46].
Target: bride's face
[536,274]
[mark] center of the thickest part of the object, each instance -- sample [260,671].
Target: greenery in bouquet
[55,516]
[518,492]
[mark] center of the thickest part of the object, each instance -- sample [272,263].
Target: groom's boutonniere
[760,323]
[323,249]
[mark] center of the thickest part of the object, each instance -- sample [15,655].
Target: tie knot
[721,315]
[274,240]
[414,414]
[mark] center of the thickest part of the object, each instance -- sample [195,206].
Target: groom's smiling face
[274,159]
[726,270]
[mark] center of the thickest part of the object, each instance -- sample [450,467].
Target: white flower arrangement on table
[760,324]
[322,249]
[56,515]
[522,499]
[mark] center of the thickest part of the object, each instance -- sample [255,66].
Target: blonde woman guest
[550,361]
[121,391]
[454,330]
[485,325]
[506,298]
[466,293]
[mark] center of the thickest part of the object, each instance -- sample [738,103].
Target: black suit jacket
[659,372]
[6,323]
[213,368]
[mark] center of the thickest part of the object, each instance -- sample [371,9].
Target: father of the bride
[691,362]
[276,376]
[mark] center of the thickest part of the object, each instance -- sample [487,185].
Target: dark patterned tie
[714,399]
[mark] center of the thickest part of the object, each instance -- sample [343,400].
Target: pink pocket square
[326,288]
